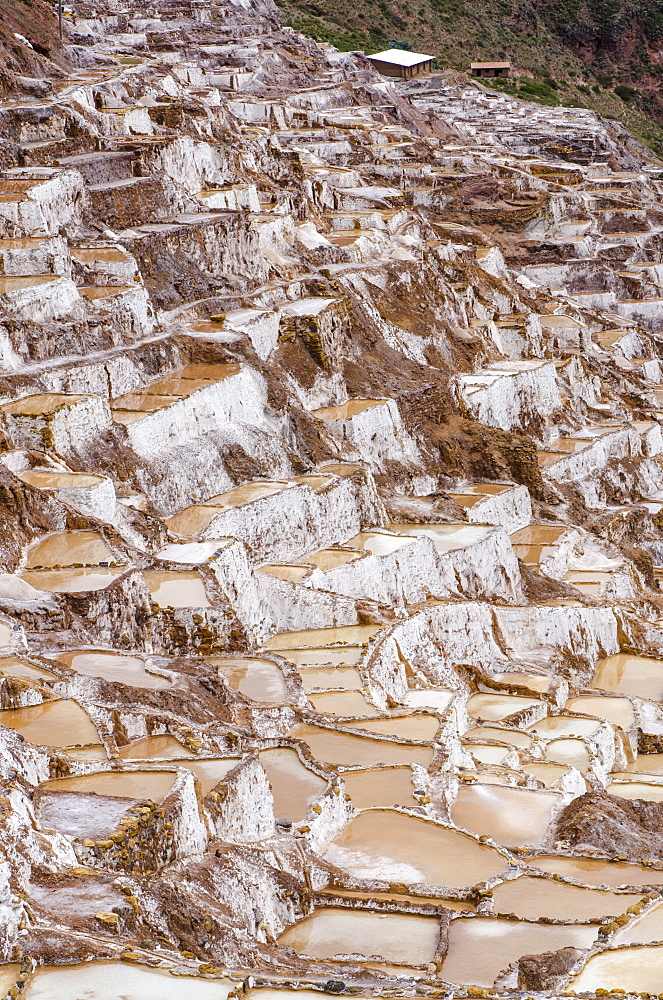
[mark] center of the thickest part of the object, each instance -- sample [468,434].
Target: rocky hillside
[586,53]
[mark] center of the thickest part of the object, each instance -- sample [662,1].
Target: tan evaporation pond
[574,753]
[155,746]
[346,635]
[564,726]
[257,679]
[547,773]
[60,723]
[399,939]
[641,676]
[8,977]
[644,763]
[346,678]
[326,559]
[538,534]
[19,668]
[511,736]
[406,727]
[294,786]
[69,548]
[282,571]
[190,521]
[643,929]
[150,784]
[487,754]
[112,980]
[480,947]
[446,537]
[177,590]
[346,656]
[71,581]
[594,871]
[619,711]
[332,747]
[380,786]
[44,479]
[517,817]
[494,707]
[346,411]
[345,704]
[113,667]
[636,790]
[635,970]
[535,682]
[532,898]
[589,582]
[247,493]
[378,543]
[388,845]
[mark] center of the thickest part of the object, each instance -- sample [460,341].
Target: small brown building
[398,62]
[491,69]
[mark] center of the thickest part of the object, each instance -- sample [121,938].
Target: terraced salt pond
[15,667]
[111,980]
[495,707]
[257,679]
[517,817]
[61,723]
[392,937]
[531,899]
[334,747]
[319,678]
[391,846]
[149,784]
[634,970]
[177,590]
[482,947]
[113,667]
[71,581]
[389,786]
[294,786]
[596,871]
[69,548]
[347,655]
[625,673]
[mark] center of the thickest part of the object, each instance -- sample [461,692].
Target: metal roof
[399,57]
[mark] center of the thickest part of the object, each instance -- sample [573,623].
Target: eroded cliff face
[331,489]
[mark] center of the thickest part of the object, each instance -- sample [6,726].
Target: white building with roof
[398,62]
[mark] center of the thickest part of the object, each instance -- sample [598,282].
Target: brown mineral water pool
[345,704]
[565,726]
[517,817]
[513,737]
[19,668]
[177,590]
[44,479]
[247,493]
[397,938]
[326,559]
[487,754]
[494,707]
[71,581]
[282,571]
[380,786]
[650,792]
[155,746]
[595,871]
[572,752]
[643,929]
[538,534]
[346,411]
[8,976]
[482,947]
[535,682]
[645,763]
[635,970]
[192,520]
[346,678]
[616,710]
[113,667]
[60,723]
[547,773]
[388,845]
[532,898]
[345,635]
[342,656]
[114,980]
[332,747]
[294,786]
[257,679]
[67,548]
[405,727]
[150,784]
[623,673]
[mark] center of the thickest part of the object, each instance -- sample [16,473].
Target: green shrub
[625,92]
